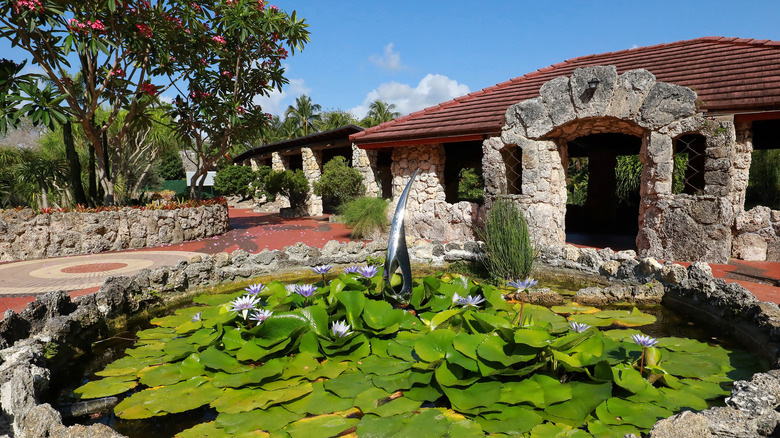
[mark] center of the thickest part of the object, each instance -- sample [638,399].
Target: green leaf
[515,420]
[383,366]
[533,337]
[349,385]
[165,374]
[318,319]
[476,395]
[281,326]
[585,398]
[354,301]
[550,430]
[442,317]
[319,402]
[219,360]
[106,387]
[271,419]
[272,368]
[379,402]
[323,425]
[433,346]
[189,394]
[380,315]
[629,378]
[234,401]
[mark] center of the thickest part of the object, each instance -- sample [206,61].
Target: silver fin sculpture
[397,253]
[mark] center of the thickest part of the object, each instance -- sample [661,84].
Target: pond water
[667,323]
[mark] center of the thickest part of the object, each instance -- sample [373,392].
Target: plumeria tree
[124,49]
[238,59]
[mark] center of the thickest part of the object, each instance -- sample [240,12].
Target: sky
[416,54]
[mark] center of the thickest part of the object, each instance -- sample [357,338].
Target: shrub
[340,181]
[261,178]
[365,215]
[291,184]
[171,167]
[508,254]
[234,180]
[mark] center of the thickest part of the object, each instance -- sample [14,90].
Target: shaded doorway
[764,180]
[603,179]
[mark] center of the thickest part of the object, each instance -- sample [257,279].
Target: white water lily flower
[244,304]
[578,327]
[471,301]
[340,329]
[259,316]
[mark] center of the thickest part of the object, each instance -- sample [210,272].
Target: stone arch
[598,100]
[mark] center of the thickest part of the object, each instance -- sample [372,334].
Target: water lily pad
[319,402]
[271,369]
[189,394]
[573,309]
[533,337]
[234,401]
[454,356]
[687,365]
[371,426]
[475,395]
[281,326]
[384,404]
[428,423]
[550,430]
[383,366]
[403,380]
[165,374]
[433,346]
[380,315]
[271,419]
[626,376]
[618,411]
[219,360]
[442,317]
[127,365]
[516,420]
[323,425]
[353,301]
[349,385]
[601,430]
[106,387]
[585,398]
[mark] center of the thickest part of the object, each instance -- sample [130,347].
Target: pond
[455,359]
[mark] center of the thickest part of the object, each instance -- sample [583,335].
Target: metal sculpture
[397,253]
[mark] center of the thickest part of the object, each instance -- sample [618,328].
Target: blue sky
[415,54]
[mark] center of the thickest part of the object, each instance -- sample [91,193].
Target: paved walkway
[252,232]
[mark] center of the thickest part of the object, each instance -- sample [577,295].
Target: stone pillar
[365,162]
[311,168]
[740,171]
[544,183]
[253,163]
[277,163]
[493,166]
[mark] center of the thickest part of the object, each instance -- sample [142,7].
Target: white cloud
[390,60]
[431,90]
[278,101]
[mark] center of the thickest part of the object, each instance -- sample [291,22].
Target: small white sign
[209,178]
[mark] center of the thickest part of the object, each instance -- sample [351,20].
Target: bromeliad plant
[453,363]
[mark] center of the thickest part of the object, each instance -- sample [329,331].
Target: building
[687,114]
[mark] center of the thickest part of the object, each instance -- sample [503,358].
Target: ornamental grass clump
[452,362]
[508,252]
[365,216]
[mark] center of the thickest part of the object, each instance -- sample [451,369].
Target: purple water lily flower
[644,341]
[524,284]
[368,271]
[255,289]
[578,327]
[351,269]
[322,269]
[470,301]
[259,316]
[306,290]
[340,329]
[244,304]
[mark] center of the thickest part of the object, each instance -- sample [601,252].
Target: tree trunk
[92,175]
[104,171]
[75,164]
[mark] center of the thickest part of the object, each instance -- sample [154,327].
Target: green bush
[339,181]
[171,167]
[508,254]
[261,179]
[292,185]
[235,180]
[365,215]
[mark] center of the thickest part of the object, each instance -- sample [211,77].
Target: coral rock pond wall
[25,235]
[53,326]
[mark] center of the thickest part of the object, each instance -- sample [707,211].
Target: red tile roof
[729,75]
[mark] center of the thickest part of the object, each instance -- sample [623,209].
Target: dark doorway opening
[294,162]
[764,180]
[604,174]
[463,172]
[384,175]
[329,154]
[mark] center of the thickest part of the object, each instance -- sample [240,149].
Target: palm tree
[37,167]
[336,119]
[379,112]
[305,113]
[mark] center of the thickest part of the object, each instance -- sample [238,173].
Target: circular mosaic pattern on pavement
[80,272]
